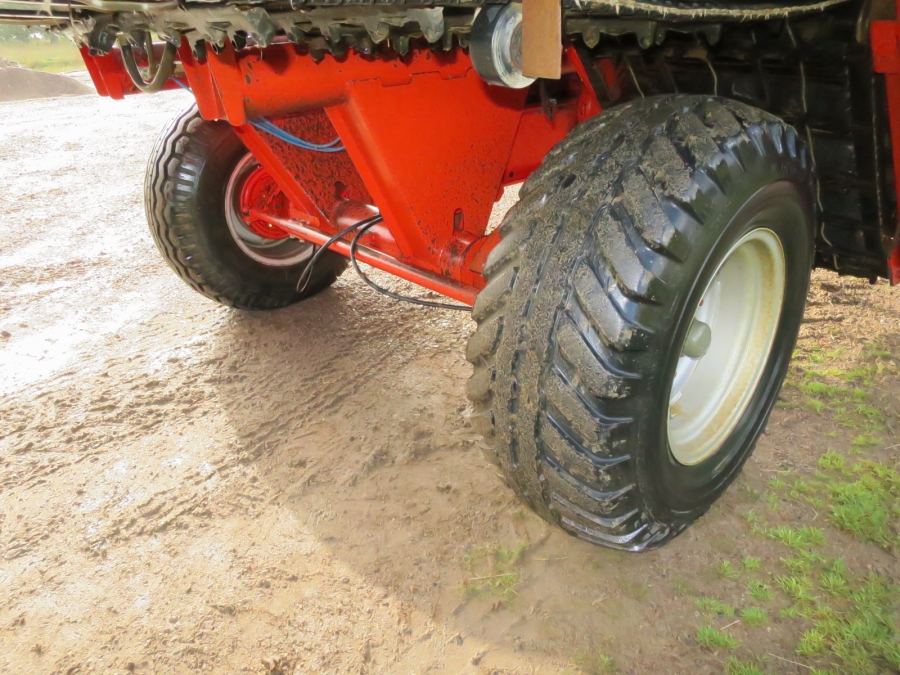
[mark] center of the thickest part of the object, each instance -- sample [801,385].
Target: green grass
[818,388]
[752,563]
[834,584]
[797,537]
[752,519]
[859,645]
[726,570]
[735,666]
[42,55]
[760,591]
[754,616]
[816,405]
[712,638]
[832,460]
[846,623]
[860,635]
[864,441]
[797,588]
[863,500]
[868,507]
[850,624]
[840,393]
[796,565]
[713,606]
[776,483]
[793,612]
[813,642]
[493,571]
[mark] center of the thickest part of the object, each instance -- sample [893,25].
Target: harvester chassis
[684,168]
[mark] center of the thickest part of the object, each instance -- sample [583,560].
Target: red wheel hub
[260,192]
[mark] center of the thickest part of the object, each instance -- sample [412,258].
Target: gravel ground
[187,488]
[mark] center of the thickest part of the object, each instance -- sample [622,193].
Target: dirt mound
[19,84]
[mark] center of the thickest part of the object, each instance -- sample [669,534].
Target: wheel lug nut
[696,344]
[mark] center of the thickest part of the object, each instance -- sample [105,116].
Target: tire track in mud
[133,396]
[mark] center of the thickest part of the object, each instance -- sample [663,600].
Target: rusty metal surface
[322,176]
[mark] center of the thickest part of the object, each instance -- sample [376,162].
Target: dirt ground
[187,488]
[19,84]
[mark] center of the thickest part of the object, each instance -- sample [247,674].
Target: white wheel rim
[271,252]
[742,306]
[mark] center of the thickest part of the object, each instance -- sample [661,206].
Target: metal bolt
[696,344]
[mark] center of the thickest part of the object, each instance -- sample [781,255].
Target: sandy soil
[19,84]
[186,488]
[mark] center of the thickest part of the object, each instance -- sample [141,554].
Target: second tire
[640,314]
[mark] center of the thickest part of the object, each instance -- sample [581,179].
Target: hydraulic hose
[159,73]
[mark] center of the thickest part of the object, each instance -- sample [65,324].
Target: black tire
[184,196]
[589,297]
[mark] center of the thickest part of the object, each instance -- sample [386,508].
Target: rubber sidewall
[185,191]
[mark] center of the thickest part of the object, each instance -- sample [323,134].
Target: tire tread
[583,476]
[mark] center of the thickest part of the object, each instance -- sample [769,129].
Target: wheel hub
[260,192]
[726,347]
[251,188]
[698,340]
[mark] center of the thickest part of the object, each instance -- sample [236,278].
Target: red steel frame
[427,142]
[886,59]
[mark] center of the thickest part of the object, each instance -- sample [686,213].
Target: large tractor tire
[640,314]
[200,182]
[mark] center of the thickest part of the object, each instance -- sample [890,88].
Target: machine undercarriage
[807,63]
[683,167]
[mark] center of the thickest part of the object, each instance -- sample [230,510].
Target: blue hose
[265,125]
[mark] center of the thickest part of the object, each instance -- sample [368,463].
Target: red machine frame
[427,141]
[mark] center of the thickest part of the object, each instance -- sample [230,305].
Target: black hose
[159,74]
[306,274]
[361,229]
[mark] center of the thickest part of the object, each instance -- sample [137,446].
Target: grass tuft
[796,587]
[754,616]
[752,563]
[812,643]
[869,507]
[797,537]
[712,638]
[834,583]
[832,460]
[493,571]
[735,666]
[759,590]
[726,570]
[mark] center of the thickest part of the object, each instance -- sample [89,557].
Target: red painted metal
[894,264]
[379,260]
[109,74]
[588,103]
[885,40]
[427,142]
[313,181]
[260,192]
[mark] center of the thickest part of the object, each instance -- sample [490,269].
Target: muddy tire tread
[579,474]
